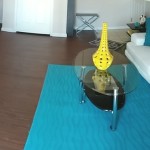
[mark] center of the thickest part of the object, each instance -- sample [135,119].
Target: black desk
[135,29]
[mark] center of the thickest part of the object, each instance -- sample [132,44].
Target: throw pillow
[147,36]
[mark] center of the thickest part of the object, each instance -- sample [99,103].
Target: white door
[33,16]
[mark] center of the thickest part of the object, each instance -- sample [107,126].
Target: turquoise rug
[62,123]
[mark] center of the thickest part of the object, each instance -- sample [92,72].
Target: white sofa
[139,54]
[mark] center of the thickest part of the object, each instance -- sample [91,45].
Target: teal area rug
[62,123]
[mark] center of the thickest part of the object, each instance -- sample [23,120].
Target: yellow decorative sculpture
[101,80]
[102,58]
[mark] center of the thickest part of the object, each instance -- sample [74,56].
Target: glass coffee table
[106,89]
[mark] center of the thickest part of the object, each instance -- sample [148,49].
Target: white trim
[58,34]
[8,29]
[51,15]
[15,17]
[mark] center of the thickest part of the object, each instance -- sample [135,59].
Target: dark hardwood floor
[23,64]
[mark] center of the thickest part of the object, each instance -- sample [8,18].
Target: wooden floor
[23,64]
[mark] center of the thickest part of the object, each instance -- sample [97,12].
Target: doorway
[33,16]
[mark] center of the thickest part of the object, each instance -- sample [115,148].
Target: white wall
[115,12]
[58,20]
[1,10]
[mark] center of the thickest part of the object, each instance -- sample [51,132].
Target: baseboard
[100,28]
[117,27]
[8,29]
[58,34]
[52,34]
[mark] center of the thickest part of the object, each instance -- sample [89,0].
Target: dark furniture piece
[70,17]
[135,29]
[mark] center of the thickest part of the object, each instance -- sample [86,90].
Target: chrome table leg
[115,109]
[82,100]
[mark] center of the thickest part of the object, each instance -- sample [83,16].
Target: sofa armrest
[138,38]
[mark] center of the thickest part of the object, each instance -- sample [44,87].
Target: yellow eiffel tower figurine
[102,58]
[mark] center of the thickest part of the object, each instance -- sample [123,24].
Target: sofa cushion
[141,56]
[147,37]
[138,38]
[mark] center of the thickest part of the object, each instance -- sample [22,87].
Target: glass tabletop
[121,73]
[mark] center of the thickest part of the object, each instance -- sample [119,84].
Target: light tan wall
[115,12]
